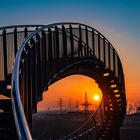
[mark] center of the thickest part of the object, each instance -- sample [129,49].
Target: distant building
[131,127]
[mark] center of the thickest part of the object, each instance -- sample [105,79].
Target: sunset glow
[96,97]
[71,93]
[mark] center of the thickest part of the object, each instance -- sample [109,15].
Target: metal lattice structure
[48,53]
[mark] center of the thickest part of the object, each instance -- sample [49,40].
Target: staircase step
[8,133]
[5,105]
[6,119]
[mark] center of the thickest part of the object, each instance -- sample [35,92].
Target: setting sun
[96,97]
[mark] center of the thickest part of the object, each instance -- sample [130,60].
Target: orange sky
[72,89]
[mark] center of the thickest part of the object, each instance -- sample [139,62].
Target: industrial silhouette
[61,104]
[86,104]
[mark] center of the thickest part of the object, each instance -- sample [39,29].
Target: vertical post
[109,55]
[90,53]
[5,54]
[119,69]
[86,30]
[22,83]
[24,86]
[57,48]
[31,78]
[72,43]
[80,51]
[28,86]
[54,47]
[39,67]
[50,56]
[37,43]
[64,37]
[57,42]
[33,70]
[25,32]
[41,53]
[121,74]
[114,64]
[15,41]
[93,42]
[35,80]
[104,51]
[44,60]
[99,55]
[27,83]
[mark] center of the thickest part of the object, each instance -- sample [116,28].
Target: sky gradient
[71,89]
[118,20]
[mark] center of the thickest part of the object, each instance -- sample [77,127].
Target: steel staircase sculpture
[47,54]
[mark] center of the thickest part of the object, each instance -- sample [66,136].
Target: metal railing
[11,38]
[47,51]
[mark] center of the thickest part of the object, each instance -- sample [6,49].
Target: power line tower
[86,104]
[61,104]
[77,105]
[70,105]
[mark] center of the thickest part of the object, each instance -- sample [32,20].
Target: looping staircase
[44,55]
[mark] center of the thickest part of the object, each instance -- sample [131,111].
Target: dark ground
[54,126]
[131,127]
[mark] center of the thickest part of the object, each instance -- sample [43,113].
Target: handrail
[10,39]
[20,26]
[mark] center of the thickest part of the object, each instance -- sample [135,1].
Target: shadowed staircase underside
[46,54]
